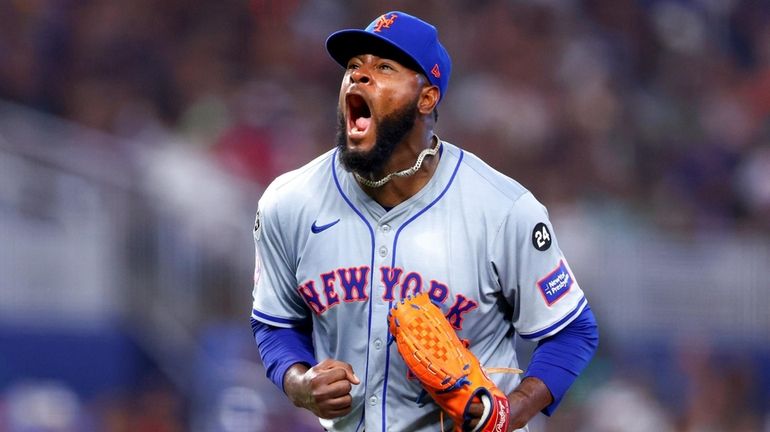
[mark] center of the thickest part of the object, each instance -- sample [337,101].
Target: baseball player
[392,211]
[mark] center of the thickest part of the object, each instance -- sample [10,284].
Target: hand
[323,389]
[476,410]
[525,402]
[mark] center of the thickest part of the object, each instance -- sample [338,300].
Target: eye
[353,66]
[385,66]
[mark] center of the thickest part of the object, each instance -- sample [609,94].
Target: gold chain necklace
[403,173]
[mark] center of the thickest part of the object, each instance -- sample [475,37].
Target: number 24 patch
[541,237]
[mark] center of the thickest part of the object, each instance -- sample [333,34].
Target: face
[378,106]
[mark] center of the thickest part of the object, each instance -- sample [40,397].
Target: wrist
[526,400]
[292,384]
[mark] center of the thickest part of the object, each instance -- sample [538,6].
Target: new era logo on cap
[395,31]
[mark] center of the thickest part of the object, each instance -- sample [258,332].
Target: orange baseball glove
[448,371]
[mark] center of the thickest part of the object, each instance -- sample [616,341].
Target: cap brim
[346,44]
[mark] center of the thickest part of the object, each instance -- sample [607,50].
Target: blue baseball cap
[400,36]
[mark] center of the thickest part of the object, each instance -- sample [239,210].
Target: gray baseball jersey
[477,241]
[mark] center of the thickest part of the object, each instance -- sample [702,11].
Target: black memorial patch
[541,237]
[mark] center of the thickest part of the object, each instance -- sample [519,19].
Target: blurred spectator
[155,407]
[42,407]
[620,406]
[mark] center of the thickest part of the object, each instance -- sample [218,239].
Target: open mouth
[359,115]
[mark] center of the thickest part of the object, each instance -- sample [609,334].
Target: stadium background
[136,137]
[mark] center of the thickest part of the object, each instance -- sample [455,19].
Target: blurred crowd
[656,110]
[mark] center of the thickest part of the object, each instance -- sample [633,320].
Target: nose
[359,76]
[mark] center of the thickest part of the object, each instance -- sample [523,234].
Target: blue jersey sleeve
[280,348]
[559,359]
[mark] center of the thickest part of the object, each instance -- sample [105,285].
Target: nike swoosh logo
[318,228]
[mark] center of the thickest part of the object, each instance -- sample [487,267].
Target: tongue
[362,123]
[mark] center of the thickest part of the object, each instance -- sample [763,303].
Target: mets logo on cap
[384,22]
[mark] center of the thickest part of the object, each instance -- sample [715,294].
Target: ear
[428,100]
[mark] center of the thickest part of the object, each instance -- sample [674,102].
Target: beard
[391,130]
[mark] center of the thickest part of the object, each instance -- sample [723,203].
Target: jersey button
[373,400]
[383,251]
[385,228]
[377,344]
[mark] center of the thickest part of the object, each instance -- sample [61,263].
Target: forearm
[529,398]
[558,360]
[283,348]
